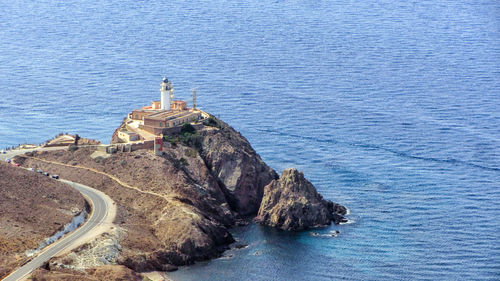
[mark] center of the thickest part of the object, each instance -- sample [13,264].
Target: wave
[378,147]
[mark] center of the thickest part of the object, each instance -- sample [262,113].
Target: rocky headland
[177,208]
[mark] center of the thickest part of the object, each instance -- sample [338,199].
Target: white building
[167,94]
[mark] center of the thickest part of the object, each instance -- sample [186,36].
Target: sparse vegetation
[72,147]
[189,152]
[212,122]
[187,136]
[187,128]
[183,161]
[180,163]
[171,139]
[192,140]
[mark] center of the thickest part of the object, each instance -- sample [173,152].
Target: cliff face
[239,170]
[172,212]
[292,203]
[176,209]
[114,136]
[233,163]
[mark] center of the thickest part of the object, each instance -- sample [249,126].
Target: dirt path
[169,199]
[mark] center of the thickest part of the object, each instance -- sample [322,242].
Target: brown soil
[32,207]
[174,209]
[108,272]
[171,215]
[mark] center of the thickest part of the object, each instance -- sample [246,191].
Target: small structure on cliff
[163,117]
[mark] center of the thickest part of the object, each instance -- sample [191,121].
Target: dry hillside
[32,208]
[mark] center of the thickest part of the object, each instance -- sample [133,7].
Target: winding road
[98,216]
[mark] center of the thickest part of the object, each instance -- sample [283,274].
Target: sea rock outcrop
[292,203]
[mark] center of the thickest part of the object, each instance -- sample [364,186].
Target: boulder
[292,203]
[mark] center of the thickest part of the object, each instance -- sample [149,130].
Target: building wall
[154,122]
[179,105]
[156,105]
[128,136]
[150,122]
[138,114]
[143,145]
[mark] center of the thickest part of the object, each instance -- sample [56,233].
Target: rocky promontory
[292,203]
[177,208]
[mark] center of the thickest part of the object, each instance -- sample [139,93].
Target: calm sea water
[391,108]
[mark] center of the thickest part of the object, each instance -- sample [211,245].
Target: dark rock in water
[241,222]
[169,267]
[240,245]
[292,203]
[333,233]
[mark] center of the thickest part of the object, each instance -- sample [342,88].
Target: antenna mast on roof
[194,97]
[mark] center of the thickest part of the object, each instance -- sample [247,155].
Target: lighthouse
[167,93]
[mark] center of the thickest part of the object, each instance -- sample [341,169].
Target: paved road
[98,215]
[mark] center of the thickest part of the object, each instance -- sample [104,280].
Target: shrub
[187,128]
[72,147]
[189,152]
[211,122]
[171,139]
[192,140]
[183,161]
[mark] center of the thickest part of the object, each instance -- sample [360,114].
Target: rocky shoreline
[177,208]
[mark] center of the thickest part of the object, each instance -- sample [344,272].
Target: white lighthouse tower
[167,94]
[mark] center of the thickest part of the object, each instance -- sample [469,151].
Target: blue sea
[391,108]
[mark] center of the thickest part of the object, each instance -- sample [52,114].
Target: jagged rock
[239,170]
[178,212]
[292,203]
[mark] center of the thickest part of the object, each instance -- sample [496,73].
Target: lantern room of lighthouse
[167,94]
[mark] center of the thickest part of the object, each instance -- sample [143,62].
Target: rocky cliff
[239,170]
[292,203]
[172,209]
[176,209]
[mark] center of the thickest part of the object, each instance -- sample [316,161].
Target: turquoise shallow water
[391,108]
